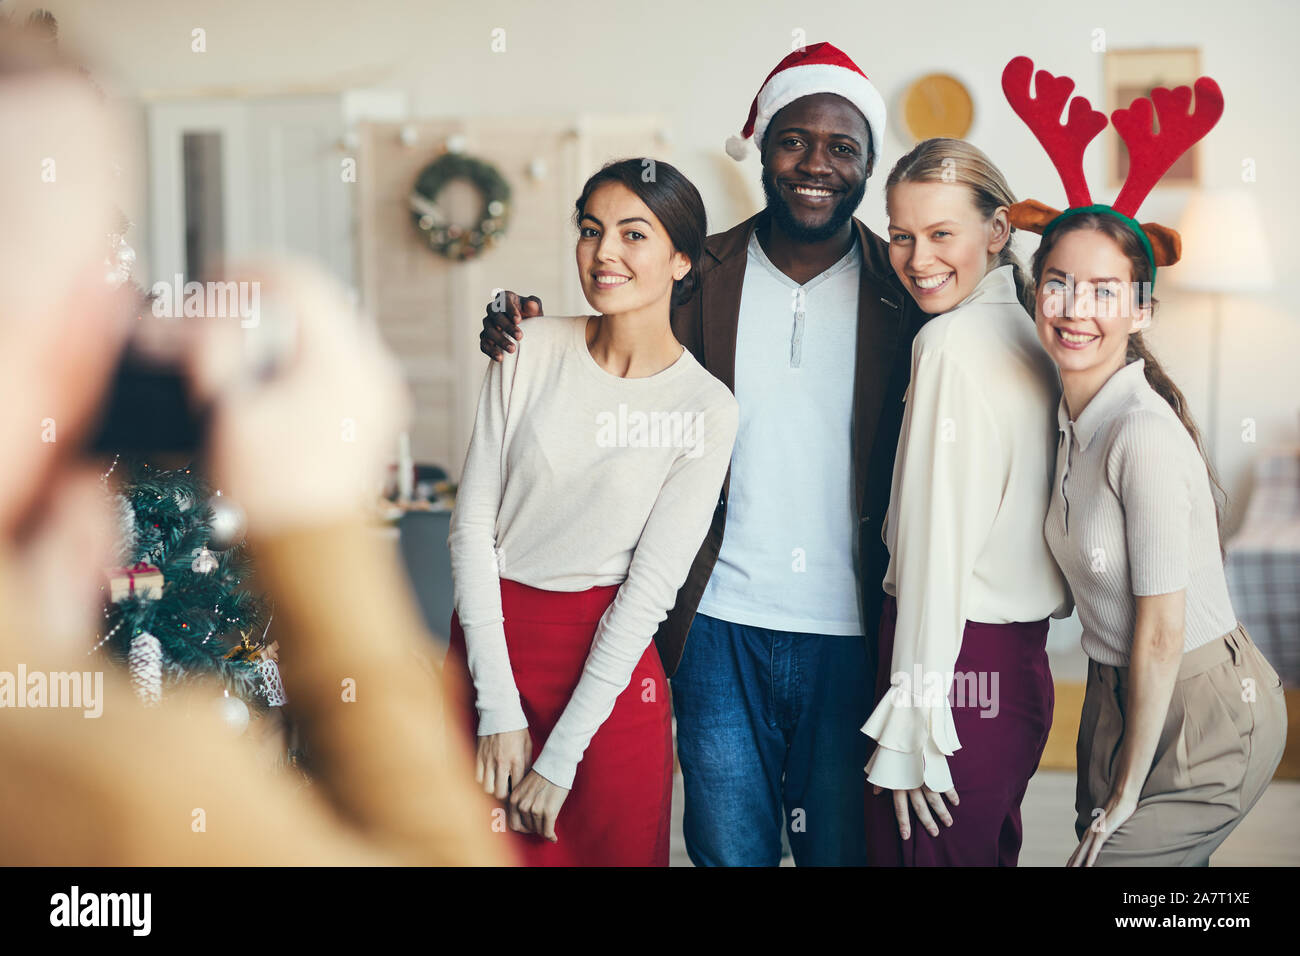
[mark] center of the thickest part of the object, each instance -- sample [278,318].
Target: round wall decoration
[447,238]
[937,105]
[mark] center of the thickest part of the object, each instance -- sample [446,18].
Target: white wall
[699,64]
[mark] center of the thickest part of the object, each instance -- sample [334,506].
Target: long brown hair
[946,160]
[1157,377]
[673,199]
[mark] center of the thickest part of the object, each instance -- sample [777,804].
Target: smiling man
[771,644]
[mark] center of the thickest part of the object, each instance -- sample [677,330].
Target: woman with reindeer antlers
[1183,719]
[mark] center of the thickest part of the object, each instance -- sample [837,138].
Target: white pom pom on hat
[819,68]
[737,147]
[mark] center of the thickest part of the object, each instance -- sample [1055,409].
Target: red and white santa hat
[820,68]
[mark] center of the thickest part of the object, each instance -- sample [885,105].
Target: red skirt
[618,811]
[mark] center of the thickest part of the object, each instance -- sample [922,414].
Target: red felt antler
[1042,114]
[1151,153]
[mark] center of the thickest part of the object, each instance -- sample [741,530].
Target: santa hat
[820,68]
[1151,151]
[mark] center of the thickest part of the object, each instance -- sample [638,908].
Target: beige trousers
[1223,737]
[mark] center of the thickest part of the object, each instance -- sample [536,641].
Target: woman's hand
[1114,812]
[921,799]
[502,758]
[534,806]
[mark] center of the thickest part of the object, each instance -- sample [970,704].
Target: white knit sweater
[577,478]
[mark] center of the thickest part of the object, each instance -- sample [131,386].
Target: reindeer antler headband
[1150,153]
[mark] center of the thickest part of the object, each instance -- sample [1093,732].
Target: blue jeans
[768,733]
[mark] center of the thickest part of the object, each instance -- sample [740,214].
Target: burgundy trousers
[618,811]
[1002,738]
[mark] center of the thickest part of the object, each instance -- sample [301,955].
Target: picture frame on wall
[1133,73]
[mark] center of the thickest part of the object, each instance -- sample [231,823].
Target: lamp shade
[1224,246]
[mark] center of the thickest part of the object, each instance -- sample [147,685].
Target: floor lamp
[1224,252]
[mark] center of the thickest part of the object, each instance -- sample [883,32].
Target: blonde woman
[971,582]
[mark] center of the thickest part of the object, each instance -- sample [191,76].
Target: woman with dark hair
[591,479]
[1183,719]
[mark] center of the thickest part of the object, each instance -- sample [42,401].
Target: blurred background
[429,153]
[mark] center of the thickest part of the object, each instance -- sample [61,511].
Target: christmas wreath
[444,237]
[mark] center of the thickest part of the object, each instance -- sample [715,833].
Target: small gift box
[143,580]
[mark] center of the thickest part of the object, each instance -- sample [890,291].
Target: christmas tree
[199,619]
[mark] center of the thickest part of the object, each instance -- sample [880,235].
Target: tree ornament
[140,580]
[269,671]
[205,562]
[227,526]
[233,713]
[144,662]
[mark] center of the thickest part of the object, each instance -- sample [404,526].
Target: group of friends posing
[996,448]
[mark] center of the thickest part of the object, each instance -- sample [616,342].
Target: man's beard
[840,214]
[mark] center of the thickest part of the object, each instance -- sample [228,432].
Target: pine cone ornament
[144,662]
[269,671]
